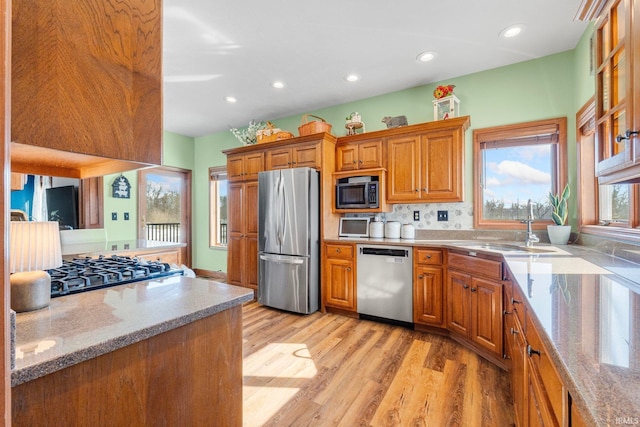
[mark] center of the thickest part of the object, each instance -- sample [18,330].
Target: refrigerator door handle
[280,260]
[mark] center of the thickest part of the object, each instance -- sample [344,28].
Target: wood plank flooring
[331,370]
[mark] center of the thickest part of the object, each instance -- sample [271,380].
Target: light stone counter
[120,247]
[82,326]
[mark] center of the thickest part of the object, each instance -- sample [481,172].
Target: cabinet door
[235,254]
[370,154]
[308,156]
[253,163]
[340,286]
[235,208]
[486,314]
[250,264]
[347,157]
[441,160]
[537,411]
[427,296]
[235,168]
[403,168]
[250,214]
[458,302]
[279,159]
[515,349]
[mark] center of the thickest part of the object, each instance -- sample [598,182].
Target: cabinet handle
[424,189]
[428,257]
[360,161]
[354,162]
[506,312]
[515,332]
[294,163]
[473,289]
[514,301]
[417,190]
[627,135]
[531,351]
[421,276]
[505,356]
[465,286]
[348,268]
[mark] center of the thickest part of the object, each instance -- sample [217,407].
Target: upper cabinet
[617,30]
[354,155]
[86,86]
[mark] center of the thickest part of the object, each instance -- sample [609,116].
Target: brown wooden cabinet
[474,301]
[359,155]
[90,76]
[427,164]
[617,92]
[245,167]
[428,298]
[242,232]
[169,256]
[339,289]
[294,157]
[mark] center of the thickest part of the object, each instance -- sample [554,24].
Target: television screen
[62,206]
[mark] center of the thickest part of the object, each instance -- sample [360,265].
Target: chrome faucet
[531,238]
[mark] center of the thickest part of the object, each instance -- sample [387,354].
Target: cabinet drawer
[516,303]
[339,251]
[546,371]
[427,256]
[476,266]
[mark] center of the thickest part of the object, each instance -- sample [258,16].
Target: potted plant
[248,135]
[559,232]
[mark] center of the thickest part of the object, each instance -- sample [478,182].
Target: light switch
[126,216]
[114,216]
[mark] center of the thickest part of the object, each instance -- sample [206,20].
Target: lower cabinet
[428,298]
[474,303]
[340,274]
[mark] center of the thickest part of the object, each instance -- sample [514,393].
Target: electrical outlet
[416,215]
[443,215]
[114,216]
[126,216]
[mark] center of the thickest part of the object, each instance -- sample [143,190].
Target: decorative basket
[271,133]
[316,126]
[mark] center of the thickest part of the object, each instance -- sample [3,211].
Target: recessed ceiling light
[278,84]
[352,78]
[230,99]
[426,56]
[511,31]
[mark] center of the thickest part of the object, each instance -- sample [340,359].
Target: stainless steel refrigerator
[288,239]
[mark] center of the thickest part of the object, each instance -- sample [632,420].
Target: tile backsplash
[460,215]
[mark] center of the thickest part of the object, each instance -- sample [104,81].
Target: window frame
[216,174]
[498,133]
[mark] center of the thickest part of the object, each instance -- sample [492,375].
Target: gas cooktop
[85,274]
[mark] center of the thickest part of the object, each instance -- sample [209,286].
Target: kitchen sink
[506,247]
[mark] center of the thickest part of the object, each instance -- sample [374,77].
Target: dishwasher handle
[384,252]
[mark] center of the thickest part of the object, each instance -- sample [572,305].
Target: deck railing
[164,232]
[223,234]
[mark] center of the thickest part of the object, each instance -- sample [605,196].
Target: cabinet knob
[531,351]
[354,162]
[506,312]
[348,268]
[294,163]
[417,190]
[428,257]
[465,286]
[514,301]
[338,250]
[505,356]
[627,135]
[424,189]
[360,161]
[473,289]
[421,276]
[515,332]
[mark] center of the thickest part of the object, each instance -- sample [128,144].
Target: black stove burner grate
[84,274]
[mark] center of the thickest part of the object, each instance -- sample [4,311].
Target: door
[164,207]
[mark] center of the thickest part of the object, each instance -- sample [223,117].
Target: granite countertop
[586,304]
[82,326]
[113,247]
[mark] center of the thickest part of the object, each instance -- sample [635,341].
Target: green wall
[553,86]
[177,151]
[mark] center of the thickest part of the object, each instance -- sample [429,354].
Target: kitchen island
[157,352]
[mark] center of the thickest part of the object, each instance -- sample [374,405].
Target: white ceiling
[214,49]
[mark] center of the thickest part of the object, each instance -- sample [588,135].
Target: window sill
[612,231]
[219,247]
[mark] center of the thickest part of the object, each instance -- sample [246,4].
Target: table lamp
[33,247]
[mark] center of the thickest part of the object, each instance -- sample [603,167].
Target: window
[609,210]
[218,206]
[515,164]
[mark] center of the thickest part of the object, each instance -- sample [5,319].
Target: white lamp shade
[34,246]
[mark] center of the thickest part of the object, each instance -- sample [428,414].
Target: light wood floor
[331,370]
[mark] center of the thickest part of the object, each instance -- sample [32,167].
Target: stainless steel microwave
[357,194]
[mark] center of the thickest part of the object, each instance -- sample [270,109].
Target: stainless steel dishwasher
[385,282]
